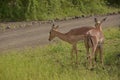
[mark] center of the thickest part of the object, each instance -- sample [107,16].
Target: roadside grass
[52,62]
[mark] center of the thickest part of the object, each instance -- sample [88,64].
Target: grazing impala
[94,39]
[72,37]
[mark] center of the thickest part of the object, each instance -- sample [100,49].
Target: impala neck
[61,36]
[99,28]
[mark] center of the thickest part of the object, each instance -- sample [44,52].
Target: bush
[115,3]
[19,10]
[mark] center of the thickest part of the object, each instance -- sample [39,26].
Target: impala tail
[90,41]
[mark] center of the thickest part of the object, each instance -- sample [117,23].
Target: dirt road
[37,34]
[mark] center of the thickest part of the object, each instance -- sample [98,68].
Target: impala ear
[103,19]
[95,20]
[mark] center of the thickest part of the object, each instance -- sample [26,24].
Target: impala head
[98,23]
[52,32]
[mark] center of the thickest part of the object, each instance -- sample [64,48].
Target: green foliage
[53,62]
[19,10]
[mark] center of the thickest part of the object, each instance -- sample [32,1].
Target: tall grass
[52,62]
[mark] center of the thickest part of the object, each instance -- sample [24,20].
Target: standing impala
[95,40]
[72,37]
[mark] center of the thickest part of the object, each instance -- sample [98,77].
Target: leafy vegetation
[53,62]
[20,10]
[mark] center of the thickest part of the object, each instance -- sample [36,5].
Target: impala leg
[75,51]
[76,54]
[72,55]
[90,61]
[92,56]
[88,54]
[87,49]
[101,55]
[96,52]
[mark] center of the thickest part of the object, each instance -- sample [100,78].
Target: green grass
[52,62]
